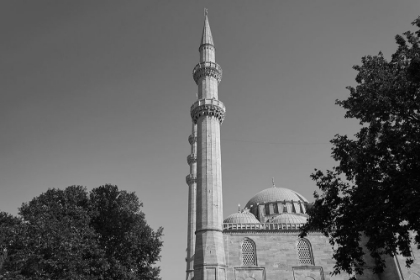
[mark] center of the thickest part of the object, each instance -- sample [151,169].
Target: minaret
[192,187]
[208,114]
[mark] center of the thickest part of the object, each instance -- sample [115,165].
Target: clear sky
[96,92]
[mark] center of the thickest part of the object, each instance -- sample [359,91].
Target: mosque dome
[241,218]
[289,219]
[274,194]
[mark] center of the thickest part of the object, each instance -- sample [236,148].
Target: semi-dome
[241,218]
[274,194]
[289,219]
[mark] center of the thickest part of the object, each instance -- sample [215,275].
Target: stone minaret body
[192,187]
[207,114]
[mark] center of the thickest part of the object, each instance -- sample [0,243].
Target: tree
[53,239]
[59,235]
[375,188]
[131,246]
[7,223]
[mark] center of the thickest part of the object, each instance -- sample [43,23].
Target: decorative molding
[192,139]
[206,46]
[210,265]
[190,179]
[208,107]
[207,229]
[266,232]
[191,159]
[257,273]
[261,228]
[313,272]
[207,68]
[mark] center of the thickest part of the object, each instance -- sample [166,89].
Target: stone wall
[277,257]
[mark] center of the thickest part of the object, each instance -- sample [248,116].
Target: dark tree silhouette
[69,234]
[375,188]
[131,246]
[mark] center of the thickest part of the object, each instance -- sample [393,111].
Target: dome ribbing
[241,218]
[289,219]
[274,194]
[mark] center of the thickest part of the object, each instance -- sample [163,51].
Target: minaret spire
[207,114]
[206,38]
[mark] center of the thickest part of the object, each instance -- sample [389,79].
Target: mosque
[259,242]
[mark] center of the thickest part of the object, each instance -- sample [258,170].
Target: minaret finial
[207,38]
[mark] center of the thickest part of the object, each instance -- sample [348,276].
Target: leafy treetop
[374,189]
[71,234]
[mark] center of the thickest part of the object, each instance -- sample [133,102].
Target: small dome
[289,219]
[241,218]
[274,194]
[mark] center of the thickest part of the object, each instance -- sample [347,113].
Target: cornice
[208,107]
[207,69]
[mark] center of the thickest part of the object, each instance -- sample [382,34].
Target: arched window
[249,253]
[304,251]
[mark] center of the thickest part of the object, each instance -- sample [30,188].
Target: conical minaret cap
[207,38]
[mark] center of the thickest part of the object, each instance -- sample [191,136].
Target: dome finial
[272,180]
[239,208]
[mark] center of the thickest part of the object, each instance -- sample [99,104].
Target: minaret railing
[192,139]
[261,226]
[190,179]
[208,107]
[191,158]
[207,68]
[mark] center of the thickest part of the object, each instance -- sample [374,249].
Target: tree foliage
[375,188]
[71,234]
[131,246]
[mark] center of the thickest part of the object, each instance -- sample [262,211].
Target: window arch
[304,251]
[249,252]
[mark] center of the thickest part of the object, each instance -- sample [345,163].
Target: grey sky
[96,92]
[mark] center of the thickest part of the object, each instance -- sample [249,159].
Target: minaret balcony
[208,107]
[192,139]
[191,159]
[190,179]
[207,68]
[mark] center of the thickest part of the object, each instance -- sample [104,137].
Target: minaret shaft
[209,247]
[209,174]
[208,88]
[208,113]
[209,55]
[192,198]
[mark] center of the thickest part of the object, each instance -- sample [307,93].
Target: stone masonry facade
[277,258]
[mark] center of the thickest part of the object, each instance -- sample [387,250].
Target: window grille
[305,252]
[249,256]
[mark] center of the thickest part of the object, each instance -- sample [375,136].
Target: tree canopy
[375,187]
[73,234]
